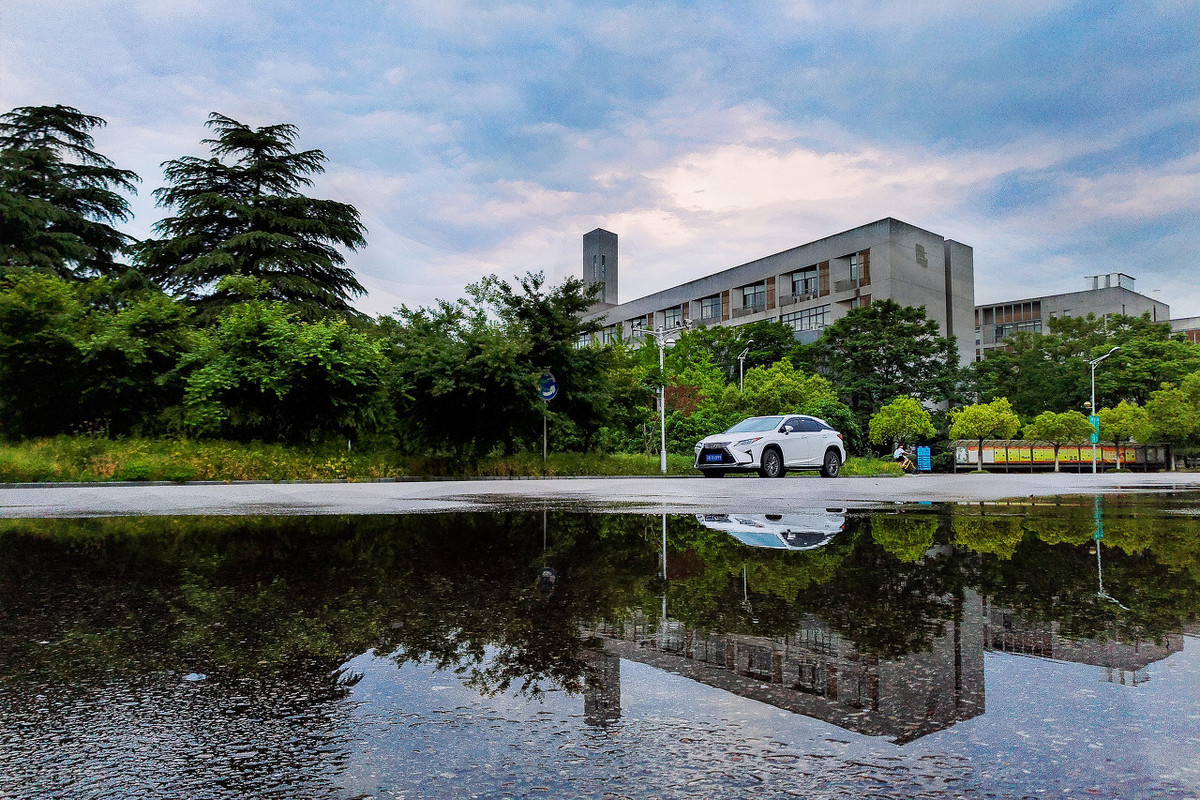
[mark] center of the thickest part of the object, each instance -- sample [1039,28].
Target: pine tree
[241,212]
[58,196]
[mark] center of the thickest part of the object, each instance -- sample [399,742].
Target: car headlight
[747,442]
[699,446]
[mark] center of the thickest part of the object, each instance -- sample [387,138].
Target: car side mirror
[787,429]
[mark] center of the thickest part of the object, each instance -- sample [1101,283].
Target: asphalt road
[676,495]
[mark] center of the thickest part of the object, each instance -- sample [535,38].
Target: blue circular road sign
[547,386]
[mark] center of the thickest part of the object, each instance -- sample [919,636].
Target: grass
[82,458]
[86,459]
[871,467]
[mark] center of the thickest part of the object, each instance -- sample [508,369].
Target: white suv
[771,446]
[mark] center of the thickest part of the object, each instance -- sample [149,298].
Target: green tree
[461,382]
[241,212]
[263,373]
[906,538]
[886,350]
[129,363]
[1036,372]
[1126,422]
[550,321]
[902,420]
[1174,413]
[41,320]
[1149,357]
[983,421]
[768,342]
[1049,372]
[59,197]
[1055,429]
[777,389]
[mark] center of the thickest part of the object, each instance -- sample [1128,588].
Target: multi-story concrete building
[1104,296]
[806,287]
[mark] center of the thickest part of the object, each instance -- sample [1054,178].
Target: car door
[809,441]
[793,443]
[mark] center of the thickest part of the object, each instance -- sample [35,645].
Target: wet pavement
[631,494]
[998,650]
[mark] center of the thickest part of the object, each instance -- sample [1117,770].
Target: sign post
[547,391]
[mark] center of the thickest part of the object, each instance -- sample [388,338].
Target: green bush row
[86,458]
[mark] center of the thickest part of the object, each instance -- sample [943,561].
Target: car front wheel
[772,464]
[832,465]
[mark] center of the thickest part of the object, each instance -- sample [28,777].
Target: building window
[754,296]
[805,281]
[855,265]
[922,258]
[808,319]
[1009,328]
[606,335]
[673,317]
[710,308]
[595,269]
[810,678]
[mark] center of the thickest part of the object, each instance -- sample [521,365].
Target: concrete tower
[600,265]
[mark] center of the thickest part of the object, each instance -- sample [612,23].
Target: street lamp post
[1096,427]
[742,365]
[660,338]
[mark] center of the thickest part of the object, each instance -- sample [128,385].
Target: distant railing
[800,297]
[748,310]
[846,285]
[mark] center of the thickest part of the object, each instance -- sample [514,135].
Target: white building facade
[806,287]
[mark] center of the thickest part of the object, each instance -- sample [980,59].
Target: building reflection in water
[815,672]
[602,688]
[1122,661]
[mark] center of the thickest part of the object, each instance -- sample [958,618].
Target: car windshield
[756,424]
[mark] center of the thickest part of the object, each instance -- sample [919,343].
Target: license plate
[712,458]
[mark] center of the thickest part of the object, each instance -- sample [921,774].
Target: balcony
[846,285]
[746,311]
[792,299]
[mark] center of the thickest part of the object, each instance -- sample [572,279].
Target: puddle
[977,650]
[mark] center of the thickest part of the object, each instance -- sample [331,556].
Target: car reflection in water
[804,530]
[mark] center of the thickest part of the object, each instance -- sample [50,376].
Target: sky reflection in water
[942,652]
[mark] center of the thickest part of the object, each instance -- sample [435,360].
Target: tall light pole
[1096,426]
[742,365]
[660,338]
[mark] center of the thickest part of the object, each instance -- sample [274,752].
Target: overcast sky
[1057,139]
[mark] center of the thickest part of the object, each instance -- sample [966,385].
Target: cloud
[1058,139]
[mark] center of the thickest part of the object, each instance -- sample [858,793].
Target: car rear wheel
[832,464]
[772,464]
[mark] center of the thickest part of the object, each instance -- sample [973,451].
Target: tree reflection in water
[292,596]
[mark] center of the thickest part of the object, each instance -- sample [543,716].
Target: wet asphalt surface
[679,494]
